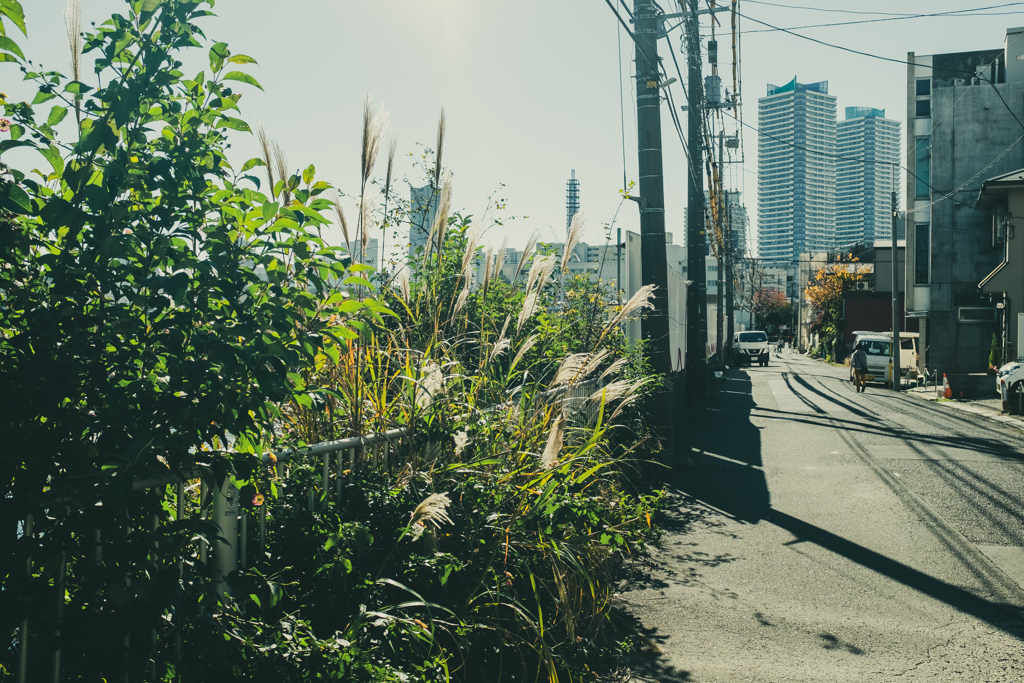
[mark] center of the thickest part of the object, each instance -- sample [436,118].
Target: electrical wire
[867,13]
[885,59]
[955,15]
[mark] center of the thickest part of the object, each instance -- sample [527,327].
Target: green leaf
[77,88]
[150,5]
[218,53]
[353,280]
[52,155]
[269,210]
[15,198]
[307,175]
[234,124]
[255,599]
[57,115]
[13,11]
[242,59]
[252,163]
[43,96]
[242,77]
[11,46]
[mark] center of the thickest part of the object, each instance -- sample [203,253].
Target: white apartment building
[796,189]
[864,188]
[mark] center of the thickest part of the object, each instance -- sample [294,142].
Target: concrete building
[372,257]
[864,188]
[423,205]
[735,218]
[1003,198]
[796,189]
[960,133]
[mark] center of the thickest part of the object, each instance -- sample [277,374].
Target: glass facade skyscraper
[864,188]
[796,188]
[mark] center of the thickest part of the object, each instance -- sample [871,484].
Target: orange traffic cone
[946,391]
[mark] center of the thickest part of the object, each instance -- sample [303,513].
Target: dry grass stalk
[526,346]
[281,165]
[403,284]
[365,221]
[73,25]
[611,392]
[575,232]
[439,147]
[342,222]
[432,511]
[440,221]
[529,306]
[499,348]
[499,258]
[549,458]
[631,396]
[487,270]
[374,123]
[569,368]
[613,369]
[267,154]
[525,256]
[392,146]
[592,364]
[463,298]
[642,299]
[472,239]
[540,270]
[504,327]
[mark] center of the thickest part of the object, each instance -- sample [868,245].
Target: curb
[973,410]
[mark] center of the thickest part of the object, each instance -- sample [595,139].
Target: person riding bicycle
[781,345]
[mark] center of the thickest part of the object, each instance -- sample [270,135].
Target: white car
[746,346]
[1013,373]
[876,345]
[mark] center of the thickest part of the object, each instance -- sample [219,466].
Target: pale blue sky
[531,88]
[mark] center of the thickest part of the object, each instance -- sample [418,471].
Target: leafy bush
[159,306]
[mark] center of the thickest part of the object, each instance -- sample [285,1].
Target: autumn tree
[824,294]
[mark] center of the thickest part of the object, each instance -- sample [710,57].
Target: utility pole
[730,254]
[720,201]
[696,286]
[653,260]
[894,348]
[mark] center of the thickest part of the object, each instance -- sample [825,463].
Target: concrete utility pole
[653,260]
[721,201]
[729,294]
[697,287]
[895,346]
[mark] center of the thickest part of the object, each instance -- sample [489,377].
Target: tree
[824,293]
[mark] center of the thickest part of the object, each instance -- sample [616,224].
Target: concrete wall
[1009,281]
[969,145]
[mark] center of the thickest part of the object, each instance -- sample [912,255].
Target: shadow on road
[723,472]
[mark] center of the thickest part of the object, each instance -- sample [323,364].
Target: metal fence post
[225,516]
[203,545]
[327,479]
[58,586]
[243,551]
[340,465]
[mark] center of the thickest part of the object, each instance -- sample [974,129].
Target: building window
[922,253]
[924,108]
[922,166]
[924,87]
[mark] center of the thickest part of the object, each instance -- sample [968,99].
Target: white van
[746,346]
[876,346]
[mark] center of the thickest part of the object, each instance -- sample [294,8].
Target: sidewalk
[992,408]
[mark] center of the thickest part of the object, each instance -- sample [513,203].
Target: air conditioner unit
[865,286]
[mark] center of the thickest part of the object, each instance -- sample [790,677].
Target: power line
[957,15]
[868,13]
[885,59]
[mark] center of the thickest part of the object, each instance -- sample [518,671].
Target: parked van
[876,346]
[746,346]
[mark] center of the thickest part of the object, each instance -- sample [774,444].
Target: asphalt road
[818,534]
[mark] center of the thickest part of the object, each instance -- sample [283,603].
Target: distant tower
[572,200]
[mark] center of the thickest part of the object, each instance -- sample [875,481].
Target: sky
[531,89]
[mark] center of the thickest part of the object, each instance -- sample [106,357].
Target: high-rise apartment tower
[869,151]
[796,188]
[572,200]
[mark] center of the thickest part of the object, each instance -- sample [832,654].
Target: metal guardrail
[223,508]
